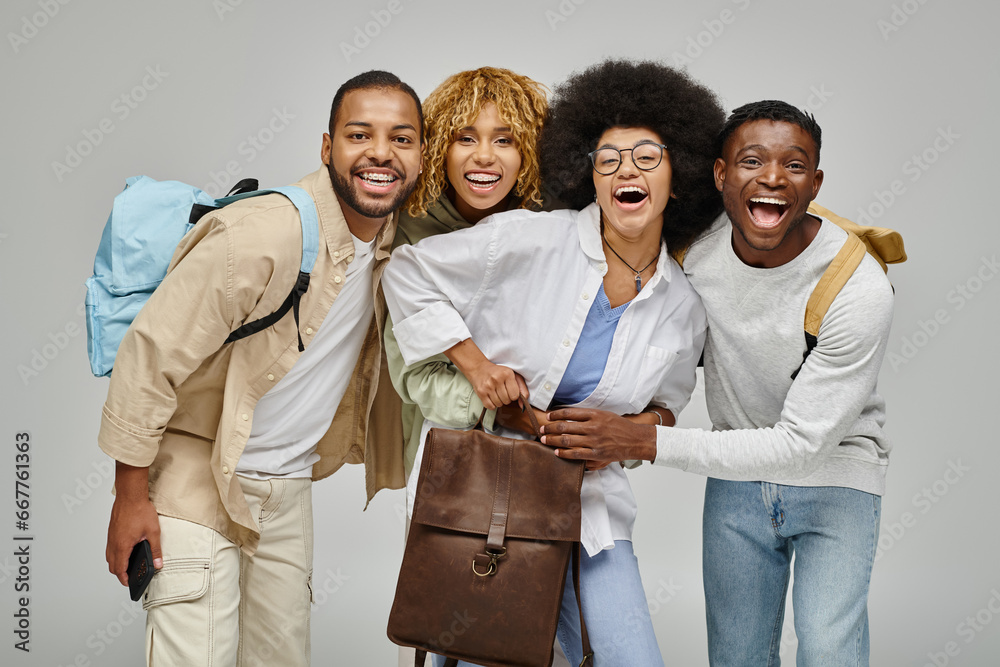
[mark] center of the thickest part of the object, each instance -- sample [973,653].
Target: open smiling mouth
[767,212]
[630,196]
[482,181]
[377,180]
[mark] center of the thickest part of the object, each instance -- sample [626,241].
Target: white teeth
[378,178]
[483,178]
[768,200]
[629,188]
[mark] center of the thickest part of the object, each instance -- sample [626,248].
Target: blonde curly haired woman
[481,132]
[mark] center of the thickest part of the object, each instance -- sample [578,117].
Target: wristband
[659,418]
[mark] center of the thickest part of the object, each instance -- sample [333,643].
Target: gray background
[888,81]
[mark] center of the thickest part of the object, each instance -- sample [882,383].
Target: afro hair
[620,93]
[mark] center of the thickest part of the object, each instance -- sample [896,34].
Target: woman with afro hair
[583,308]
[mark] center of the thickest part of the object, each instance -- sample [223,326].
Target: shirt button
[309,331]
[548,386]
[336,253]
[270,376]
[225,470]
[350,259]
[246,417]
[602,266]
[585,296]
[566,343]
[338,279]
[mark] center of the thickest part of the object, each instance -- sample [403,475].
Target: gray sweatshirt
[825,427]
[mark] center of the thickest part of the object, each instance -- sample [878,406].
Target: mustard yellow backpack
[885,245]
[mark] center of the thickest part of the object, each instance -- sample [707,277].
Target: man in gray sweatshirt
[794,466]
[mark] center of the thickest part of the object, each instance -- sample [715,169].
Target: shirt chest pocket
[656,363]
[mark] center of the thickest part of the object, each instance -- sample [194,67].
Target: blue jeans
[614,603]
[751,530]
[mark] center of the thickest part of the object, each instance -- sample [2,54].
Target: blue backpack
[149,218]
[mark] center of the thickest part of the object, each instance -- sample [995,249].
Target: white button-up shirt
[521,284]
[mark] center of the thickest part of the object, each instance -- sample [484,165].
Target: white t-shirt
[291,418]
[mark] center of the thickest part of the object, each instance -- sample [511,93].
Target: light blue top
[586,366]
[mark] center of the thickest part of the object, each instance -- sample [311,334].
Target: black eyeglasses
[646,157]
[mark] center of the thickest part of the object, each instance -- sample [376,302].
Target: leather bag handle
[525,409]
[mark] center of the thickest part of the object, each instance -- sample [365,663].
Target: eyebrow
[638,143]
[470,128]
[759,147]
[361,123]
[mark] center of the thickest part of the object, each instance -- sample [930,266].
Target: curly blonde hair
[521,102]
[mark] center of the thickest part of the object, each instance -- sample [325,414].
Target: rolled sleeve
[429,332]
[129,443]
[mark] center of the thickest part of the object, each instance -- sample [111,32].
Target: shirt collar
[589,228]
[331,217]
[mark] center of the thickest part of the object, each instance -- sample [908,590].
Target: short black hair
[374,79]
[648,94]
[775,110]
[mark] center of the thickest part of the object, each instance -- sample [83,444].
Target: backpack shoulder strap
[309,220]
[832,281]
[840,270]
[307,216]
[885,245]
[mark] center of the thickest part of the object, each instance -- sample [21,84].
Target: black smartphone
[140,569]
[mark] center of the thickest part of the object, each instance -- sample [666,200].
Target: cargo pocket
[655,364]
[178,581]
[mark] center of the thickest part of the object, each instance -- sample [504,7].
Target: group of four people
[542,268]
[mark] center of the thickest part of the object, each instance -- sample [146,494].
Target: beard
[369,207]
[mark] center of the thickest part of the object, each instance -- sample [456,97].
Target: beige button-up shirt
[182,402]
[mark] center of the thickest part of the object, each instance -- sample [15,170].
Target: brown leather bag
[494,523]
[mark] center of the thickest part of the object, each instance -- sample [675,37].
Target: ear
[326,151]
[817,182]
[719,169]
